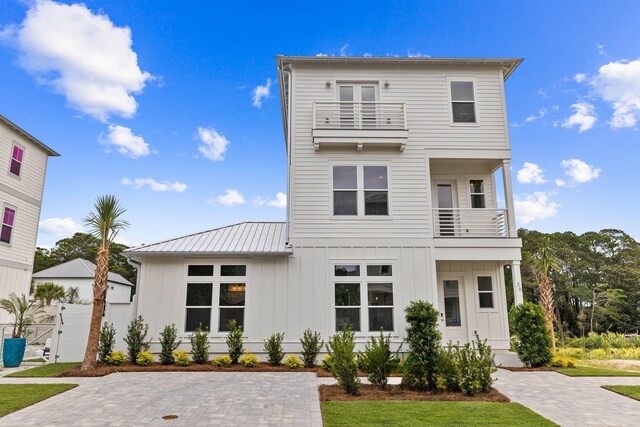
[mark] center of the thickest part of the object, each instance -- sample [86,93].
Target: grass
[632,391]
[588,371]
[388,413]
[14,397]
[48,370]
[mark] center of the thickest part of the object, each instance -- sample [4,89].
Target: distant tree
[48,292]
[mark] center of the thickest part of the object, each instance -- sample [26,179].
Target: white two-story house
[23,166]
[392,176]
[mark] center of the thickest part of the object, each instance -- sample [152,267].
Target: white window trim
[494,295]
[24,153]
[360,192]
[484,193]
[475,100]
[13,227]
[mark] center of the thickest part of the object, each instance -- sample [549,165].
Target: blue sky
[144,96]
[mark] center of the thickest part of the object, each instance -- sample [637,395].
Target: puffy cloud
[261,92]
[531,173]
[584,117]
[580,77]
[212,144]
[230,198]
[535,206]
[280,201]
[154,185]
[81,55]
[560,182]
[126,142]
[618,83]
[60,227]
[579,172]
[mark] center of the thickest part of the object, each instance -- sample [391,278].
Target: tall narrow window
[485,291]
[380,297]
[376,190]
[232,301]
[452,303]
[16,160]
[8,218]
[348,306]
[199,299]
[345,190]
[463,102]
[476,188]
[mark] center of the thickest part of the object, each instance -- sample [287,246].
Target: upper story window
[463,108]
[359,189]
[8,218]
[357,104]
[17,153]
[476,188]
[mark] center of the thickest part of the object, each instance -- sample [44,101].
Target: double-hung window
[463,104]
[8,219]
[359,190]
[232,295]
[345,190]
[476,188]
[485,291]
[17,153]
[376,190]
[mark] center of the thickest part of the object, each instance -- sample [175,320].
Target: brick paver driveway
[571,401]
[197,398]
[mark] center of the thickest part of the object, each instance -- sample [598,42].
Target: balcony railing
[470,223]
[359,115]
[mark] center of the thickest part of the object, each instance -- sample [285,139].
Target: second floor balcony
[470,222]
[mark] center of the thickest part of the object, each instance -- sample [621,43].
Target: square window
[380,318]
[485,284]
[199,294]
[463,112]
[345,177]
[348,317]
[379,270]
[232,294]
[197,317]
[228,314]
[347,294]
[486,300]
[345,203]
[346,270]
[233,270]
[200,270]
[380,293]
[376,203]
[462,91]
[477,201]
[375,177]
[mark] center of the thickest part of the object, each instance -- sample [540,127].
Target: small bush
[135,339]
[234,341]
[378,361]
[476,366]
[423,336]
[116,358]
[326,362]
[107,341]
[144,358]
[598,353]
[248,359]
[563,362]
[534,341]
[449,369]
[200,344]
[181,357]
[577,353]
[293,362]
[273,348]
[311,346]
[344,367]
[168,344]
[222,361]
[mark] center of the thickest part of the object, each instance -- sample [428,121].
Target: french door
[358,105]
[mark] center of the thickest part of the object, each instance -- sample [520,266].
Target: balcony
[483,223]
[359,124]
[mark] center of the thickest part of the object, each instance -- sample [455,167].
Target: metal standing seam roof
[245,238]
[77,269]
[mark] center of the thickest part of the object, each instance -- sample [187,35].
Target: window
[345,190]
[375,190]
[16,160]
[347,270]
[200,270]
[463,102]
[476,188]
[380,306]
[348,306]
[232,299]
[8,218]
[485,291]
[199,298]
[359,189]
[233,270]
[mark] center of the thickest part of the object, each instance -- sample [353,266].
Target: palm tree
[545,261]
[105,224]
[48,292]
[24,312]
[73,295]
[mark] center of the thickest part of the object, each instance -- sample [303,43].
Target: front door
[452,305]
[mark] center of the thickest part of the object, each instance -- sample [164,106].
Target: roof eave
[28,136]
[208,254]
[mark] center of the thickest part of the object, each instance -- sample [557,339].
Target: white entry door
[452,309]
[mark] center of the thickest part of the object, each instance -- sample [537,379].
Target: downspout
[286,70]
[135,264]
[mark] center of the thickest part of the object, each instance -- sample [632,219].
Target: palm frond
[105,222]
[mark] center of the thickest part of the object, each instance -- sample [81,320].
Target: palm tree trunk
[546,299]
[99,294]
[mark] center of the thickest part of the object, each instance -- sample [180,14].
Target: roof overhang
[27,136]
[137,254]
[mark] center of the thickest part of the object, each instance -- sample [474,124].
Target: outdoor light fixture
[386,84]
[328,84]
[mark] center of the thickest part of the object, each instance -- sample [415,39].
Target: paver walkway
[571,401]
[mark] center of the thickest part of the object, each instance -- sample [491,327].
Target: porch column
[508,197]
[516,277]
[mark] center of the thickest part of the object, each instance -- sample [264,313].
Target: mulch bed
[394,392]
[525,369]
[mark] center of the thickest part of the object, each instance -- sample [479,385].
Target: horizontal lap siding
[25,228]
[13,280]
[34,164]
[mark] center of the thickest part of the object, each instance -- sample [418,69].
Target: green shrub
[200,344]
[144,358]
[598,353]
[475,376]
[273,347]
[577,353]
[563,362]
[378,361]
[423,336]
[116,358]
[311,346]
[326,362]
[449,369]
[234,341]
[168,344]
[248,359]
[107,341]
[534,341]
[222,361]
[181,357]
[343,365]
[293,362]
[135,339]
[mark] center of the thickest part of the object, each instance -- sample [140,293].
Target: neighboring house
[79,273]
[23,166]
[392,167]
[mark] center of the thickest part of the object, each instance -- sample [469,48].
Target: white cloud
[212,144]
[231,197]
[601,50]
[417,55]
[60,227]
[321,54]
[81,55]
[560,182]
[531,174]
[261,92]
[280,201]
[584,117]
[343,49]
[126,142]
[618,83]
[535,206]
[579,171]
[541,93]
[154,185]
[580,77]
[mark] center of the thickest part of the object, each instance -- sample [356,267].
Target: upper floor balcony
[470,222]
[359,124]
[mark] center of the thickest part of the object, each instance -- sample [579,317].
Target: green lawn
[14,397]
[588,371]
[632,391]
[48,370]
[407,413]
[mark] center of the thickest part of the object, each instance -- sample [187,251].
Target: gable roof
[77,269]
[245,238]
[8,123]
